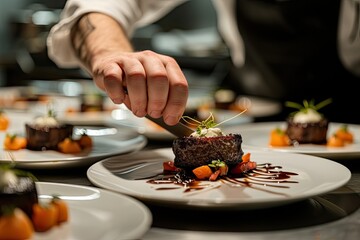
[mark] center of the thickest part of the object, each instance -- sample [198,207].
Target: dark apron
[291,53]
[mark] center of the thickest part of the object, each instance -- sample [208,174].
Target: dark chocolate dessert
[307,125]
[17,191]
[46,138]
[191,152]
[45,133]
[206,144]
[312,132]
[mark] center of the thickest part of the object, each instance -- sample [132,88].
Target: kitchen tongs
[179,130]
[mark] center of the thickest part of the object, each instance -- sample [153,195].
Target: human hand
[146,82]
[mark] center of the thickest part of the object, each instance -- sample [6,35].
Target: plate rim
[135,233]
[135,143]
[214,204]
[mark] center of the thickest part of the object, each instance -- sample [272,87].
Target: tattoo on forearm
[79,33]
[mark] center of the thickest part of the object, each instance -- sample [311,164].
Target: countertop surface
[334,215]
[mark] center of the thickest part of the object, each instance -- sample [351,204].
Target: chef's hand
[146,82]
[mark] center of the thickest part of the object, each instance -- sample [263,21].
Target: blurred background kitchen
[27,72]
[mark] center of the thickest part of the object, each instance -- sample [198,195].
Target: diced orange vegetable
[45,216]
[344,134]
[223,170]
[15,225]
[243,167]
[279,138]
[85,141]
[335,141]
[70,110]
[63,210]
[69,146]
[202,172]
[4,121]
[169,166]
[14,142]
[246,157]
[215,175]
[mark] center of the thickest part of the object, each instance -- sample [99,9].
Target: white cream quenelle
[308,116]
[208,132]
[46,121]
[7,178]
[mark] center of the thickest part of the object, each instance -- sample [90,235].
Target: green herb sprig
[308,105]
[217,164]
[209,122]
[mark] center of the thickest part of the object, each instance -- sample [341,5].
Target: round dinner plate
[107,142]
[257,135]
[95,214]
[130,174]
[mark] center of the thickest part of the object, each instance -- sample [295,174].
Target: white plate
[257,136]
[257,106]
[261,107]
[312,180]
[85,118]
[96,214]
[67,109]
[108,141]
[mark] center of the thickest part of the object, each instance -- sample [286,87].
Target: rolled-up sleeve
[129,13]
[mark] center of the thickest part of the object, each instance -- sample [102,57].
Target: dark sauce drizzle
[265,174]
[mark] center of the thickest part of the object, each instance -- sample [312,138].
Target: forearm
[95,34]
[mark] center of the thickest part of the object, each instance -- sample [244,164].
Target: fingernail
[171,120]
[117,100]
[155,114]
[139,113]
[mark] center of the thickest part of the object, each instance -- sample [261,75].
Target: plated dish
[96,214]
[256,136]
[104,146]
[108,141]
[134,179]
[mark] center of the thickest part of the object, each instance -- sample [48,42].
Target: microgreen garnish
[50,110]
[7,210]
[51,113]
[209,122]
[308,105]
[11,136]
[279,130]
[217,164]
[344,127]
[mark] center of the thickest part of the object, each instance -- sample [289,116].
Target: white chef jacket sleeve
[349,35]
[129,13]
[229,31]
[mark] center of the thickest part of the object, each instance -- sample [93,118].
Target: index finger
[178,92]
